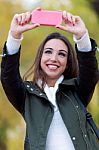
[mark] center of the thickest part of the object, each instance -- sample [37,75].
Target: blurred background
[12,125]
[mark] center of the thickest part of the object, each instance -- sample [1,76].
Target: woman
[50,104]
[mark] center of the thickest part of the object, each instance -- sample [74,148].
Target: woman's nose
[53,57]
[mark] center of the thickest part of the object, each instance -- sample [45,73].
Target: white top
[58,137]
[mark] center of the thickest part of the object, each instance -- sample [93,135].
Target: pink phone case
[45,17]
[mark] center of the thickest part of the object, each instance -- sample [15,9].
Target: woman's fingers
[32,26]
[73,24]
[61,27]
[38,8]
[21,23]
[68,18]
[28,17]
[23,18]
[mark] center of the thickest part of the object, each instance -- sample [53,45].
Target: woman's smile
[52,67]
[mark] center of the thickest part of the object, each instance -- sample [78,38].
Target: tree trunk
[2,146]
[95,5]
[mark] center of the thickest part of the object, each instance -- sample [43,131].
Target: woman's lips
[53,67]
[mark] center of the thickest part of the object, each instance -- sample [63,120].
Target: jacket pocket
[94,142]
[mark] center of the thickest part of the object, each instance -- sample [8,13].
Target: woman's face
[54,59]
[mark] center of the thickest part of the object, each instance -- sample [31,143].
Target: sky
[27,3]
[32,2]
[36,3]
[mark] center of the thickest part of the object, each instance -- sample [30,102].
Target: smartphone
[47,18]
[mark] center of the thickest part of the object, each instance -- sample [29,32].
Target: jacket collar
[69,82]
[34,89]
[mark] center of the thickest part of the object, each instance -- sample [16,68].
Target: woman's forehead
[55,43]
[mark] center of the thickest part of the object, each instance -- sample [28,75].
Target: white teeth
[52,67]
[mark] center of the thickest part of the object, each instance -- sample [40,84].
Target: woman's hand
[21,23]
[73,24]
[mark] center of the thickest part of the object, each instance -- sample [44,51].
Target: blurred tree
[2,146]
[95,5]
[7,117]
[3,133]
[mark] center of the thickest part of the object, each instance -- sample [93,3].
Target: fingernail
[57,26]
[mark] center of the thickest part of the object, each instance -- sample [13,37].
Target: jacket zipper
[78,117]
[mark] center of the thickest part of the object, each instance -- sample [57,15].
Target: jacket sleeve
[88,73]
[11,80]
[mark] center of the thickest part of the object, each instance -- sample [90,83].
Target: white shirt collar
[51,91]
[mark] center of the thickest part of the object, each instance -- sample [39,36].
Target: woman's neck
[51,83]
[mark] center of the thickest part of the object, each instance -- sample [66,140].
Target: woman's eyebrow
[62,50]
[48,48]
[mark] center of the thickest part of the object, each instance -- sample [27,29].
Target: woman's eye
[48,52]
[62,54]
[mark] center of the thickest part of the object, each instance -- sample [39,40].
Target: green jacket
[37,110]
[39,113]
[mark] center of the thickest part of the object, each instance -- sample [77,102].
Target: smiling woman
[56,57]
[63,79]
[54,60]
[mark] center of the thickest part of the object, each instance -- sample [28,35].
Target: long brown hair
[36,71]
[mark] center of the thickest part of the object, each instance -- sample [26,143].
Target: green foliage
[3,130]
[7,11]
